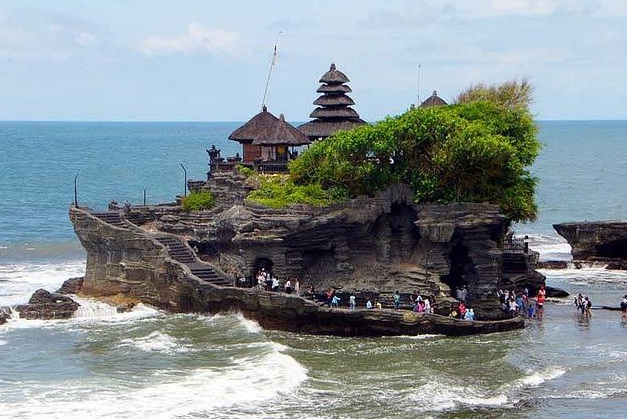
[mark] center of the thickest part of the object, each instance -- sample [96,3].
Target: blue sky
[202,60]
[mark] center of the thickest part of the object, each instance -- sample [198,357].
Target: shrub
[196,201]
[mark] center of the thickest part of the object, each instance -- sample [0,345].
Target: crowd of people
[522,304]
[266,281]
[512,302]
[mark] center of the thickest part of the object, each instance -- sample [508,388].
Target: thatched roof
[433,100]
[282,133]
[266,129]
[334,112]
[334,76]
[342,112]
[321,129]
[334,88]
[334,100]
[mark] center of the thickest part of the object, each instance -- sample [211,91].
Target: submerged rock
[44,305]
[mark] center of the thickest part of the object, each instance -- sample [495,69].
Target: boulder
[71,286]
[44,305]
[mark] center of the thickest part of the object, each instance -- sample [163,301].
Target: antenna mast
[419,68]
[272,62]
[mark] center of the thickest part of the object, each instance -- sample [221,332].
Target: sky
[208,60]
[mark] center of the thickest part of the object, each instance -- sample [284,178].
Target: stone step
[113,218]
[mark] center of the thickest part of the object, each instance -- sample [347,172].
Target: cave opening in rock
[462,268]
[403,234]
[263,263]
[613,249]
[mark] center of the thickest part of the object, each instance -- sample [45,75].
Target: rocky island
[382,213]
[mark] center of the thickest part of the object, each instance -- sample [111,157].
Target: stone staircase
[110,217]
[182,254]
[514,263]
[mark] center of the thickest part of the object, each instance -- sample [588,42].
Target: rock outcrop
[603,241]
[44,305]
[379,244]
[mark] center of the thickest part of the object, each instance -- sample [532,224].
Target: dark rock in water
[71,286]
[589,239]
[3,319]
[45,305]
[553,264]
[617,265]
[556,293]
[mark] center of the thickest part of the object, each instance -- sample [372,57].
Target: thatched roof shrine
[264,131]
[333,112]
[433,100]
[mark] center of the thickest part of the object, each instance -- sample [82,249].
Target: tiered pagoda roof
[333,112]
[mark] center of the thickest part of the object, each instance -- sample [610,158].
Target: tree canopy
[476,150]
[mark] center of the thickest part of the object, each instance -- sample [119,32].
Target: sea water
[147,363]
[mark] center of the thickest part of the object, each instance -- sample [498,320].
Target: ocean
[147,363]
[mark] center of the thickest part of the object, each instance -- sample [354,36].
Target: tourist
[335,301]
[296,286]
[454,312]
[427,307]
[329,296]
[397,300]
[519,303]
[420,305]
[587,306]
[579,302]
[377,304]
[368,304]
[351,301]
[464,294]
[540,299]
[512,306]
[432,303]
[462,310]
[531,309]
[470,315]
[288,286]
[414,298]
[623,307]
[275,284]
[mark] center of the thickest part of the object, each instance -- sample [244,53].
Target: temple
[433,100]
[334,112]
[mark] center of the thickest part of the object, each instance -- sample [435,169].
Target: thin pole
[272,62]
[185,188]
[75,191]
[419,68]
[145,196]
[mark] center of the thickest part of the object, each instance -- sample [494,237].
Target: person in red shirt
[540,299]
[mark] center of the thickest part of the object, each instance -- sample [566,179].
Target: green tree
[476,150]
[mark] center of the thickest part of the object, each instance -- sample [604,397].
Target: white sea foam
[251,326]
[201,391]
[158,342]
[440,396]
[19,281]
[3,342]
[418,337]
[536,378]
[550,247]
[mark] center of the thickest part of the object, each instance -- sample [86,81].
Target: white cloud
[84,39]
[196,39]
[521,7]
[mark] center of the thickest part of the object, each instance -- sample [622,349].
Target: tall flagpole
[419,68]
[272,62]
